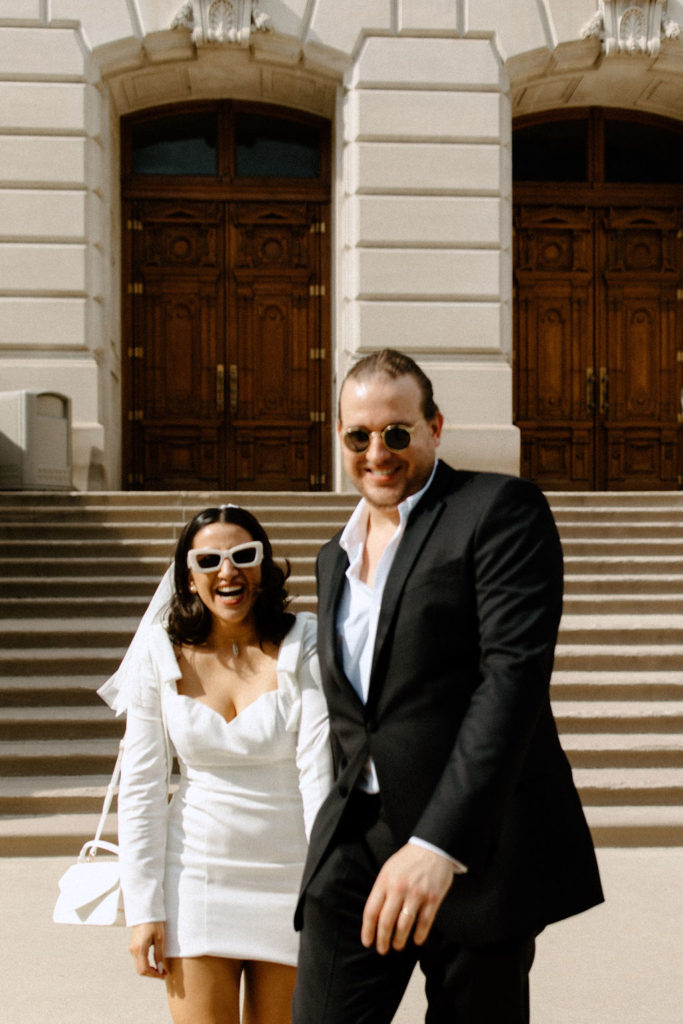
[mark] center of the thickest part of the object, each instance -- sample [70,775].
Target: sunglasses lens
[396,438]
[207,561]
[356,440]
[245,556]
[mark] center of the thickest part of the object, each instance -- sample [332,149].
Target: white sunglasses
[242,556]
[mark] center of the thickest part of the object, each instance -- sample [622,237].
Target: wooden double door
[598,346]
[226,319]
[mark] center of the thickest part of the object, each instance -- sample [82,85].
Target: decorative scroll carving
[631,26]
[215,22]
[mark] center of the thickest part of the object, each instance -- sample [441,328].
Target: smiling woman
[230,681]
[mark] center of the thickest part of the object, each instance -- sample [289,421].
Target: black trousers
[341,982]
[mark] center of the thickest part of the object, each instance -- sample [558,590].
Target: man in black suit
[453,833]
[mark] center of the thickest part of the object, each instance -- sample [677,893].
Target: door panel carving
[280,411]
[596,369]
[554,381]
[227,312]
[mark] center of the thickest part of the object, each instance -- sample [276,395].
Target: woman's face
[228,592]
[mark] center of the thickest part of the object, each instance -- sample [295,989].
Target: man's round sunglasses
[396,437]
[242,556]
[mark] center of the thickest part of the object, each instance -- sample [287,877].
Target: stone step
[65,834]
[628,564]
[636,826]
[618,657]
[295,542]
[130,556]
[623,750]
[615,499]
[300,589]
[89,631]
[99,588]
[86,585]
[95,532]
[142,565]
[599,530]
[58,757]
[57,794]
[608,633]
[58,722]
[83,794]
[43,835]
[625,685]
[619,630]
[613,547]
[620,604]
[46,690]
[629,786]
[618,716]
[61,661]
[630,584]
[186,501]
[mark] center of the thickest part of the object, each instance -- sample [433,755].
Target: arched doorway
[598,349]
[226,298]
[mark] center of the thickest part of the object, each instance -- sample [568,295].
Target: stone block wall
[421,94]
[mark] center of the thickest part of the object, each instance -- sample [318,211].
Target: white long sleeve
[143,800]
[313,751]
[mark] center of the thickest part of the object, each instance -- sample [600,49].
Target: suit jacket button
[343,791]
[371,726]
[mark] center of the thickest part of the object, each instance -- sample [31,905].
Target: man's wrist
[459,867]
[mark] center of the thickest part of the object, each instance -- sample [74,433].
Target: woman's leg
[204,990]
[268,991]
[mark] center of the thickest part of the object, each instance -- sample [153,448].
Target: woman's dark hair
[189,620]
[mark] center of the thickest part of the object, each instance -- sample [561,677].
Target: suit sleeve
[517,565]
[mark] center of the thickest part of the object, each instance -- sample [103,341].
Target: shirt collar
[355,531]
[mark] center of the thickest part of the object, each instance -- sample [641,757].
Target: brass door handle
[590,389]
[220,387]
[604,391]
[233,388]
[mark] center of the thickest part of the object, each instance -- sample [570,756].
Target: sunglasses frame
[379,433]
[194,553]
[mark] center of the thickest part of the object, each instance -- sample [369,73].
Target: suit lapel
[334,572]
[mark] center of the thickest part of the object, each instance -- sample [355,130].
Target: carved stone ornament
[221,21]
[631,26]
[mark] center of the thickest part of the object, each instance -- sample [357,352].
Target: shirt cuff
[460,868]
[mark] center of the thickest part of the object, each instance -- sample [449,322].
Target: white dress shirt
[358,616]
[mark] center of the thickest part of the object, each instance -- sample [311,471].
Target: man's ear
[436,426]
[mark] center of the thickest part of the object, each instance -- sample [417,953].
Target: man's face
[385,478]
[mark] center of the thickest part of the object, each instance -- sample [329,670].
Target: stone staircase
[78,570]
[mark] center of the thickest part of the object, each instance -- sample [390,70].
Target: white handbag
[90,890]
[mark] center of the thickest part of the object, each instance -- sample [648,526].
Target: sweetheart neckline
[226,721]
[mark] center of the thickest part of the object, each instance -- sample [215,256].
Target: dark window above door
[597,147]
[227,148]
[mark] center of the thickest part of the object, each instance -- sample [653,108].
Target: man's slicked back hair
[390,363]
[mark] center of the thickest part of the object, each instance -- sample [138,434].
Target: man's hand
[407,893]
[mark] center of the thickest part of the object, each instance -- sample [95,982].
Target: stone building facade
[419,98]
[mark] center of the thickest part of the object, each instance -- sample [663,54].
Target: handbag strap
[108,797]
[89,849]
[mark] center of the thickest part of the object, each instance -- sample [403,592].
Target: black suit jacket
[458,719]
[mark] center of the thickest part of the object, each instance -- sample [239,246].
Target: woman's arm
[143,801]
[313,753]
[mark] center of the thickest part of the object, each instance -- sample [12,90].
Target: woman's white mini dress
[221,864]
